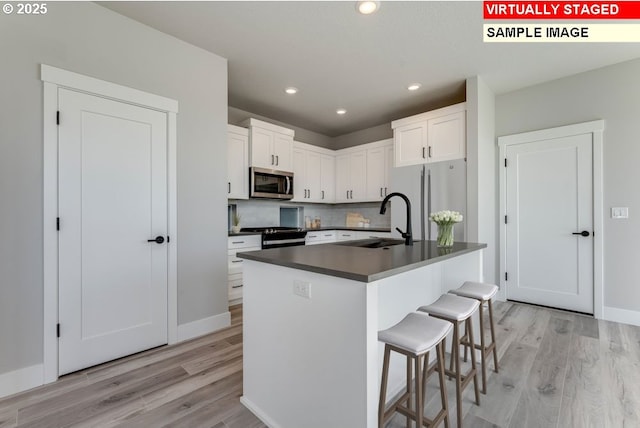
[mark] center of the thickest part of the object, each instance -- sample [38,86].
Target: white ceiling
[339,58]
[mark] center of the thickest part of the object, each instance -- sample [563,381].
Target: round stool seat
[476,290]
[451,307]
[416,333]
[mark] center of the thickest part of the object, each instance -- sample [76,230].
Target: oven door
[272,242]
[269,183]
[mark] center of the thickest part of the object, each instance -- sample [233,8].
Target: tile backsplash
[265,213]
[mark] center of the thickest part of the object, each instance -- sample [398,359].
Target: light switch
[620,212]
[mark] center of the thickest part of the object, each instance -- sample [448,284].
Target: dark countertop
[242,233]
[359,263]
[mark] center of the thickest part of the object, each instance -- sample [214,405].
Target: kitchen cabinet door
[342,178]
[314,176]
[410,141]
[261,148]
[446,137]
[327,178]
[299,175]
[358,176]
[376,173]
[237,163]
[282,152]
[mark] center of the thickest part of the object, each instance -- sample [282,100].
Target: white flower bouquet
[445,220]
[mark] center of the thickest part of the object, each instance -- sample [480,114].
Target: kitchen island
[310,321]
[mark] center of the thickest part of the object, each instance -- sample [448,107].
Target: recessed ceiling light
[367,7]
[341,111]
[414,86]
[291,90]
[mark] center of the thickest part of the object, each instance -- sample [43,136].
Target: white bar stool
[458,310]
[482,292]
[414,337]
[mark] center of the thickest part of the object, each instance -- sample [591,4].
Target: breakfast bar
[312,315]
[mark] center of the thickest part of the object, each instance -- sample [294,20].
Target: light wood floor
[556,370]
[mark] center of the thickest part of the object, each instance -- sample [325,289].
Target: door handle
[381,192]
[423,156]
[351,194]
[583,233]
[271,159]
[229,189]
[429,151]
[157,239]
[323,194]
[277,160]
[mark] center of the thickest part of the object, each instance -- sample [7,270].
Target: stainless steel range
[276,237]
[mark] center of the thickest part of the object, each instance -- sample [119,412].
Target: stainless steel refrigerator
[448,183]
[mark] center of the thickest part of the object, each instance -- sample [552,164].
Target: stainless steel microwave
[269,183]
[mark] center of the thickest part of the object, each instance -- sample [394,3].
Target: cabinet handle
[229,186]
[328,235]
[237,286]
[272,157]
[323,194]
[351,194]
[381,192]
[347,194]
[236,261]
[385,191]
[429,151]
[423,156]
[237,242]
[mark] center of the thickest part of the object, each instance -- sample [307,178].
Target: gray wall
[237,116]
[89,39]
[482,174]
[364,136]
[613,94]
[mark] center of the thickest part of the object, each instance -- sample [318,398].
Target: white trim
[258,413]
[50,235]
[20,380]
[172,227]
[251,122]
[79,82]
[55,78]
[203,326]
[596,128]
[624,316]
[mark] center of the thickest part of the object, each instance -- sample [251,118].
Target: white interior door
[112,200]
[549,201]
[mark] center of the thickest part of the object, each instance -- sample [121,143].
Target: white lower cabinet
[372,235]
[320,237]
[238,244]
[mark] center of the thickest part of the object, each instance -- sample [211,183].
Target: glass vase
[445,235]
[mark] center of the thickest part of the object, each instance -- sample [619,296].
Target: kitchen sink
[373,243]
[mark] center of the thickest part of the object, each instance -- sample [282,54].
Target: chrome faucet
[408,239]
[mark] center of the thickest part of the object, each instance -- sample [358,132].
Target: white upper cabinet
[327,178]
[271,146]
[434,136]
[351,175]
[237,162]
[313,174]
[379,164]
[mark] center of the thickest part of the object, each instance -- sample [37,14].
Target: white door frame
[55,78]
[595,128]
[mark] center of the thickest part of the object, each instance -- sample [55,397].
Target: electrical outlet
[302,289]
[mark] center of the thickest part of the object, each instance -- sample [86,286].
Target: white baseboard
[21,380]
[204,326]
[624,316]
[258,413]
